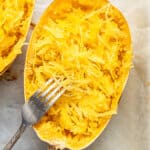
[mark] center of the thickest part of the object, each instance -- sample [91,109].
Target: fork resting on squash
[38,104]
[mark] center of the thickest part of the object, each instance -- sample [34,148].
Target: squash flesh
[15,18]
[88,44]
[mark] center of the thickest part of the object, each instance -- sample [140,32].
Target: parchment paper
[130,128]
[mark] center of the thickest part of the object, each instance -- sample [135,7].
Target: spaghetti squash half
[87,45]
[15,16]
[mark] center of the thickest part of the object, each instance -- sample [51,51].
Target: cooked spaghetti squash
[15,16]
[87,45]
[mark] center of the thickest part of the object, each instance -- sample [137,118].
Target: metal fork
[38,104]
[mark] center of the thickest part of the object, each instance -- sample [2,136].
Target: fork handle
[15,138]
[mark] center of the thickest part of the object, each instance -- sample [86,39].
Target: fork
[38,104]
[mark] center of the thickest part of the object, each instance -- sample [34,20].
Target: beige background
[130,129]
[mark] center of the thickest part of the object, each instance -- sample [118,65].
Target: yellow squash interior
[15,16]
[88,44]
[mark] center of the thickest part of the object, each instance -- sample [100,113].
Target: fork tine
[55,98]
[49,89]
[48,82]
[36,93]
[40,90]
[52,93]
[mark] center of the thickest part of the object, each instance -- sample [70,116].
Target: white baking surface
[130,128]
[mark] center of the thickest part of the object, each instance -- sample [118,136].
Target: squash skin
[59,143]
[12,30]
